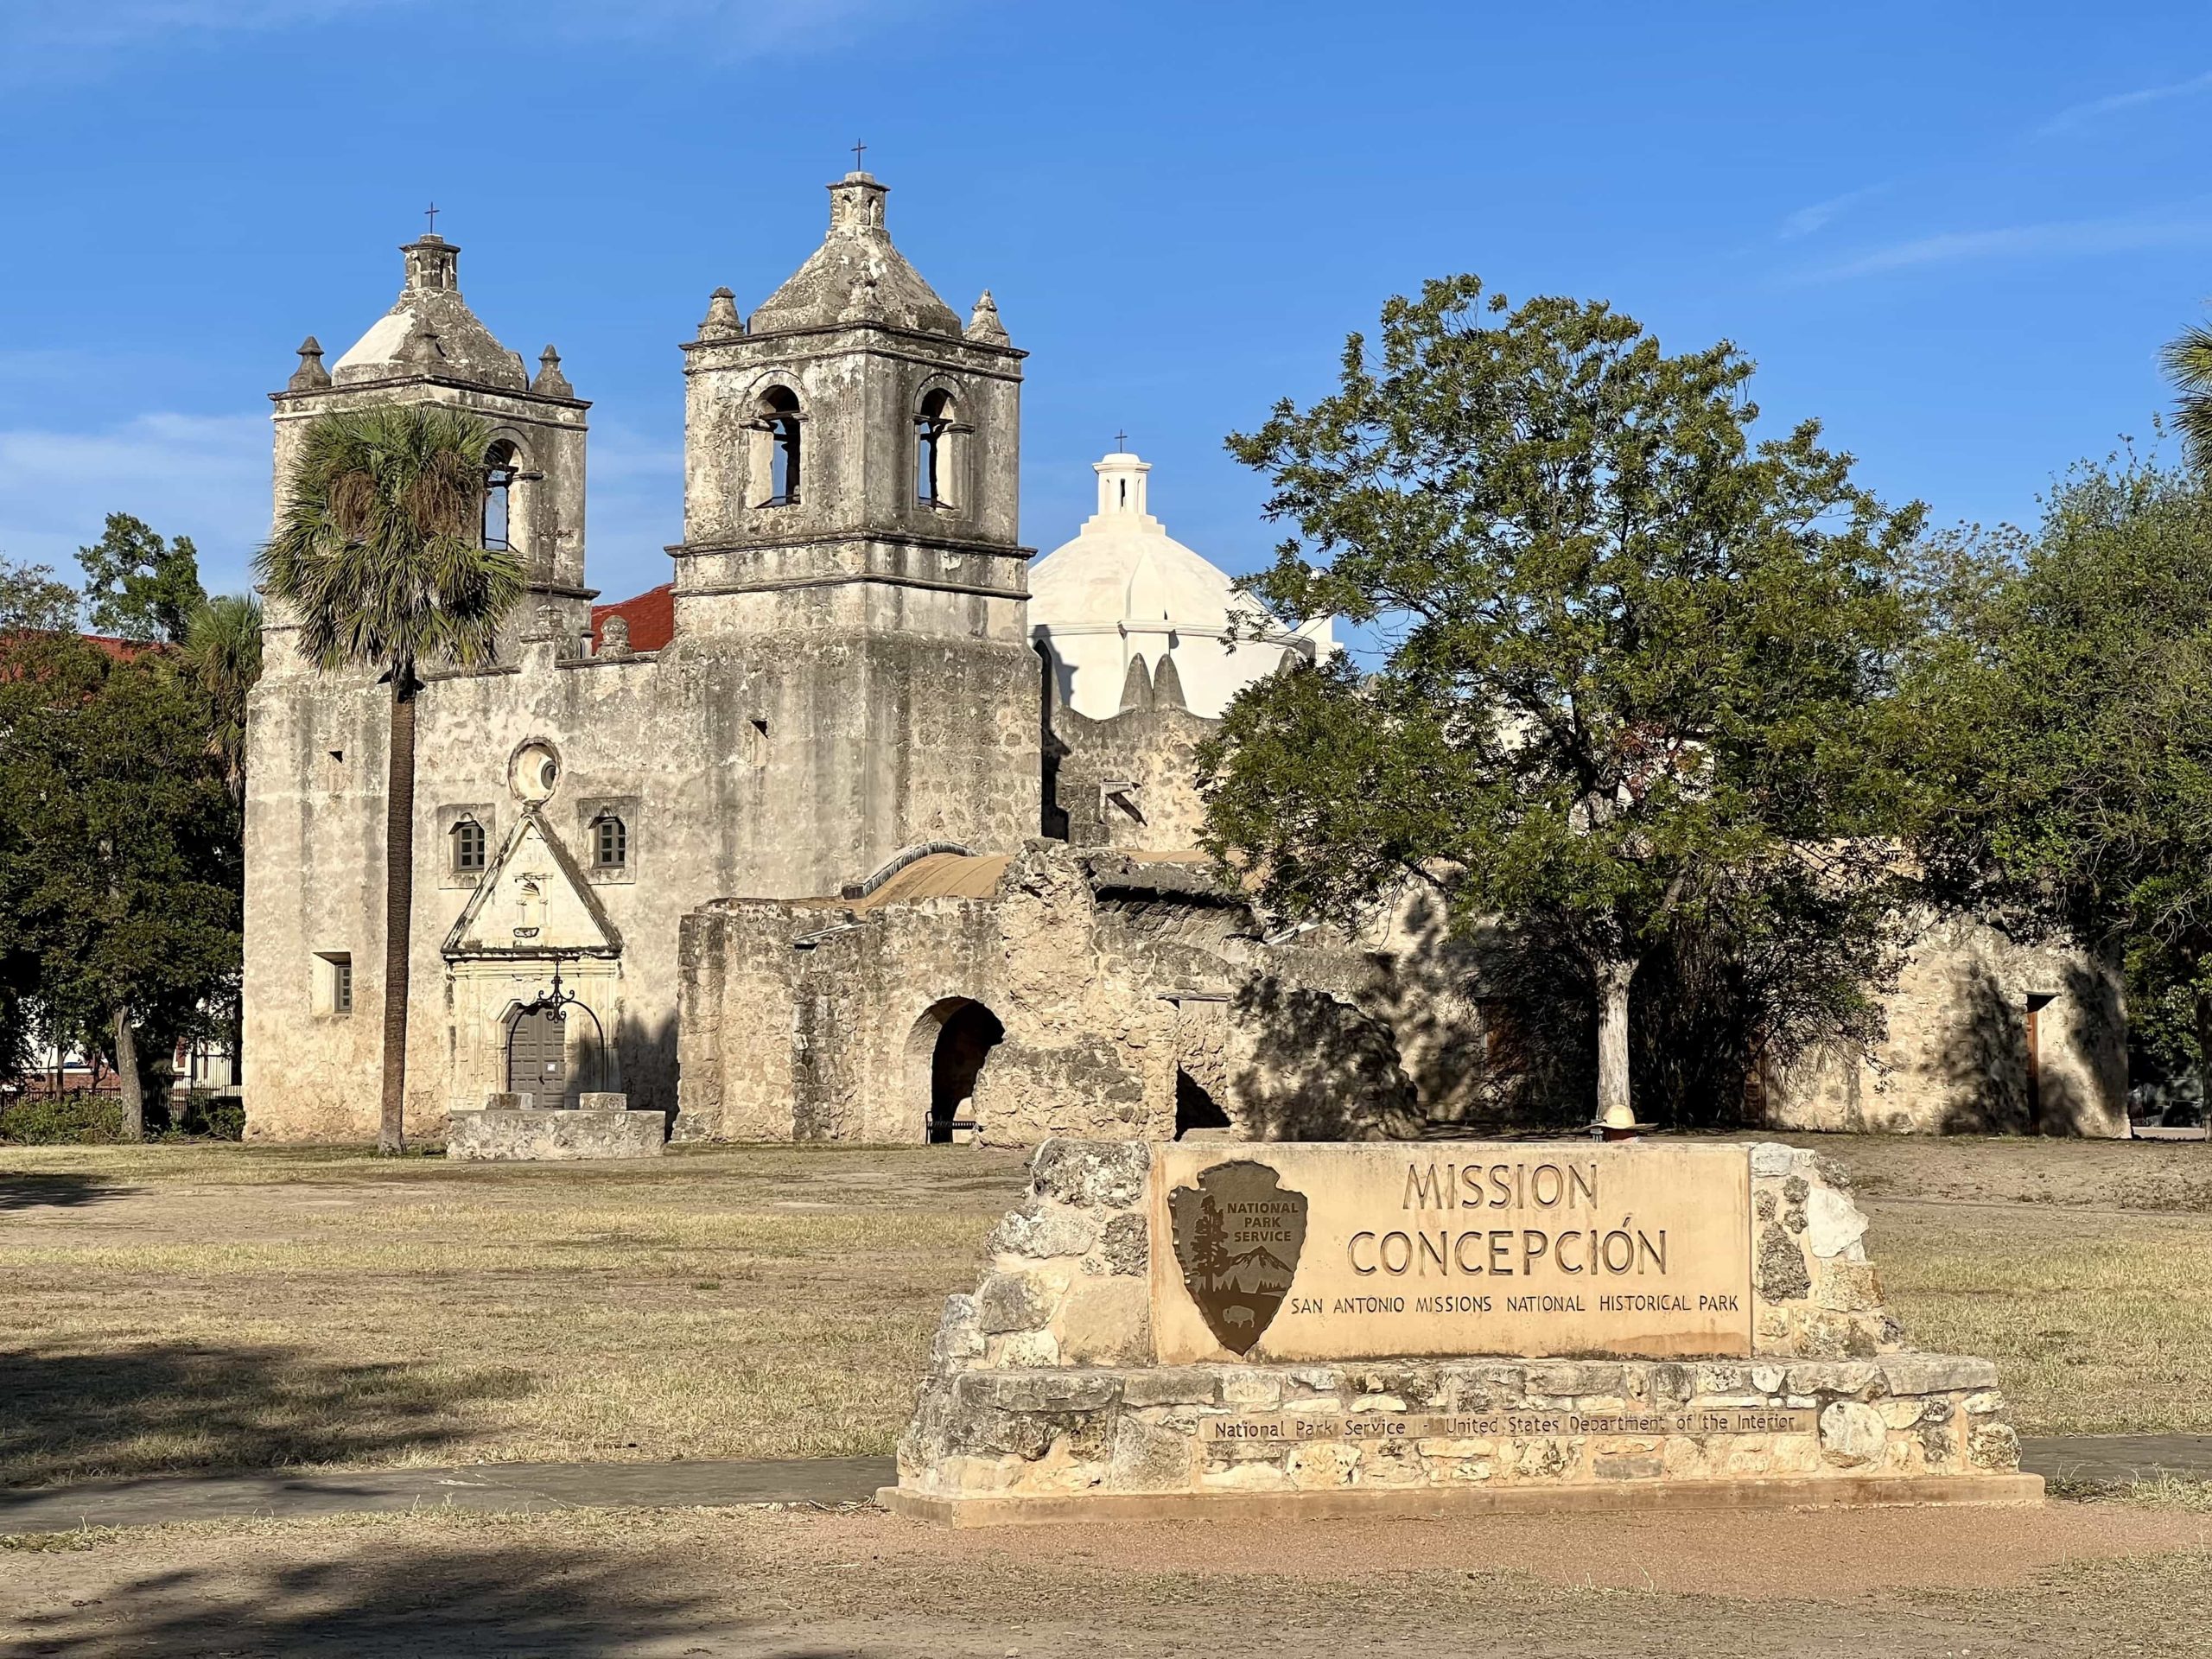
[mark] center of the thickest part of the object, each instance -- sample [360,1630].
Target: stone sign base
[1427,1437]
[603,1127]
[1279,1329]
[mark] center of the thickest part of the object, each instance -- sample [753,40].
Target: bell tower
[852,435]
[852,458]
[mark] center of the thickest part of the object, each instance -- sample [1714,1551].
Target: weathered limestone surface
[1043,1388]
[500,1133]
[851,675]
[1956,1057]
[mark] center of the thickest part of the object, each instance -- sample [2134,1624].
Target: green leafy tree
[1638,670]
[222,651]
[379,555]
[139,585]
[2074,679]
[34,602]
[120,857]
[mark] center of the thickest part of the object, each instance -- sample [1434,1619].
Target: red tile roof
[652,617]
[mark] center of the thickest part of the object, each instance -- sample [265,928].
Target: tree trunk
[126,1076]
[1614,1104]
[398,912]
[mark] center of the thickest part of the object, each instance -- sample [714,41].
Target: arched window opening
[966,1033]
[1195,1110]
[610,842]
[500,474]
[934,471]
[468,847]
[779,420]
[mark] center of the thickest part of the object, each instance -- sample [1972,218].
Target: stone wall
[1042,1387]
[725,769]
[1110,974]
[1130,781]
[1956,1057]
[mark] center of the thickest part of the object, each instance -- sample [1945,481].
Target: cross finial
[1121,442]
[432,211]
[857,151]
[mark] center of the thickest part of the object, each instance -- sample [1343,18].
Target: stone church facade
[844,834]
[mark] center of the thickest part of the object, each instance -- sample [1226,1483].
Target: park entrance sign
[1336,1252]
[1180,1329]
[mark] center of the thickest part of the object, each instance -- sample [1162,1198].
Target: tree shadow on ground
[454,1598]
[60,1190]
[159,1409]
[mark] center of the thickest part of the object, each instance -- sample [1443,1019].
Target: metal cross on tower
[857,150]
[432,211]
[1121,442]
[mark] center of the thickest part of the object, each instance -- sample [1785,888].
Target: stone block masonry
[1079,1380]
[502,1133]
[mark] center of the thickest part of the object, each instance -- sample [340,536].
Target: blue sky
[1956,233]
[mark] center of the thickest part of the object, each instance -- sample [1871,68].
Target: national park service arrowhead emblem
[1237,1236]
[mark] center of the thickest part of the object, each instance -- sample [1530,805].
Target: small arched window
[468,846]
[610,842]
[934,473]
[501,473]
[781,421]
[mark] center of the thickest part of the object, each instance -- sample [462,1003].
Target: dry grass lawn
[210,1307]
[221,1308]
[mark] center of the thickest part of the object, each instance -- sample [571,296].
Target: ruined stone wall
[1108,976]
[1153,749]
[1087,1049]
[1954,1060]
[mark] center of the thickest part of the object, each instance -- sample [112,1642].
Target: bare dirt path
[2001,1583]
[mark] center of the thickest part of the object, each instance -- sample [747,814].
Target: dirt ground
[2067,1579]
[318,1307]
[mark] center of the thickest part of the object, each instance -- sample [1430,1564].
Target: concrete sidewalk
[504,1486]
[524,1486]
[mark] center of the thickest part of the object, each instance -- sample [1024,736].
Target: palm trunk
[398,911]
[1613,976]
[126,1076]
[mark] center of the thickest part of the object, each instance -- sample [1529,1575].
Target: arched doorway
[1195,1110]
[957,1035]
[538,1056]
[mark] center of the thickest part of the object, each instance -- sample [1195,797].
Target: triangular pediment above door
[533,901]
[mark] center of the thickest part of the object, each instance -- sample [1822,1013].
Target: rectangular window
[333,983]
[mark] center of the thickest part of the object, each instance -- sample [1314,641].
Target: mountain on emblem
[1237,1236]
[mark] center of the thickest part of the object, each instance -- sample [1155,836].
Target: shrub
[210,1116]
[61,1120]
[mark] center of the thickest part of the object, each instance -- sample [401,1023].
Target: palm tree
[2189,364]
[378,554]
[222,654]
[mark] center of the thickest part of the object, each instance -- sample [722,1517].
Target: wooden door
[537,1057]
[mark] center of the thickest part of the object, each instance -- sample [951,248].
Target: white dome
[1124,588]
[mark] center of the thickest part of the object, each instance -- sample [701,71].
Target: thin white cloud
[2184,229]
[204,476]
[88,31]
[1806,220]
[2081,115]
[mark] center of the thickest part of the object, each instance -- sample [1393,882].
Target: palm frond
[2188,364]
[376,551]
